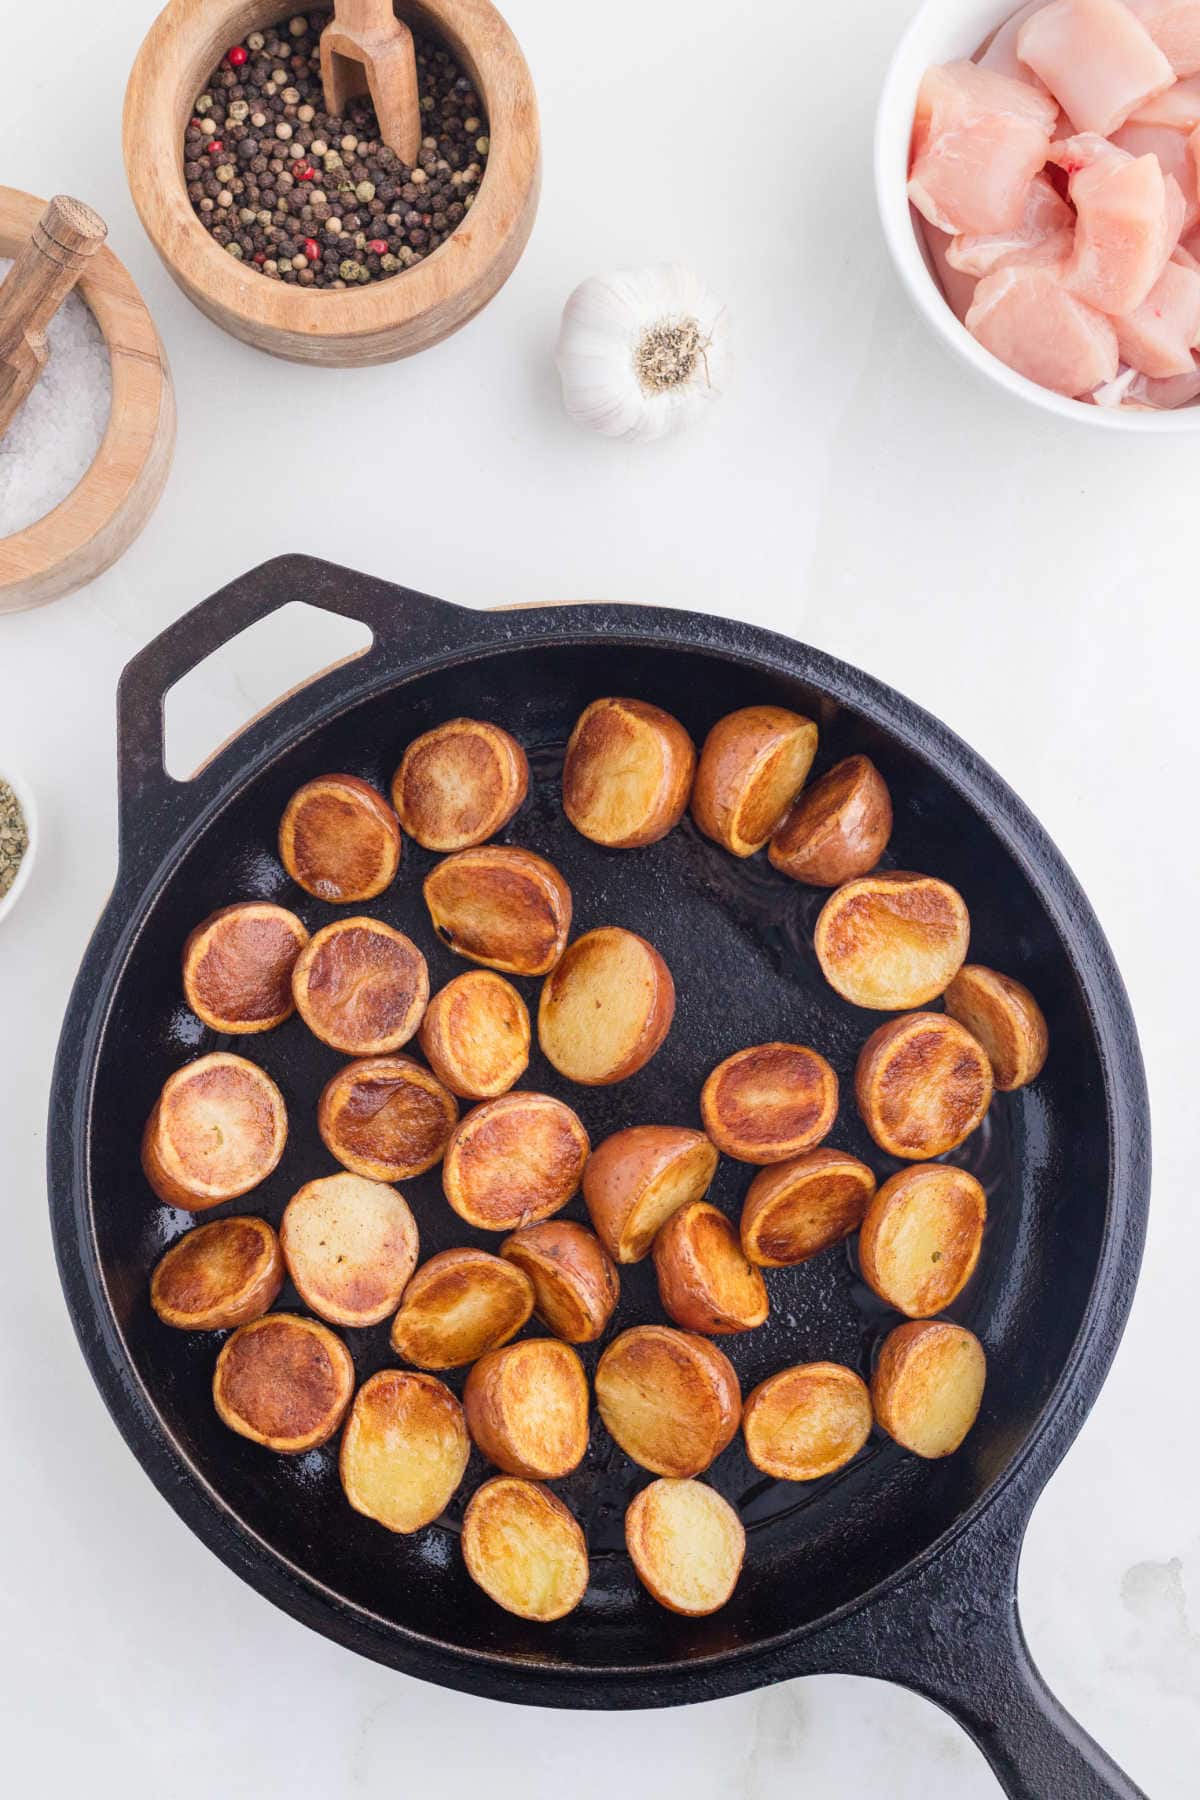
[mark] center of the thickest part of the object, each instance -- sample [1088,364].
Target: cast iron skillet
[895,1568]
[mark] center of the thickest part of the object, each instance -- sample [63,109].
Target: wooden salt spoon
[366,49]
[40,279]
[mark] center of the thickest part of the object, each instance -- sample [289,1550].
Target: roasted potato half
[218,1128]
[796,1209]
[892,940]
[459,784]
[928,1386]
[687,1545]
[637,1178]
[476,1035]
[237,967]
[770,1102]
[1006,1019]
[283,1382]
[404,1451]
[753,764]
[339,839]
[527,1408]
[386,1118]
[361,986]
[606,1008]
[923,1084]
[670,1399]
[575,1281]
[514,1161]
[705,1281]
[839,827]
[218,1275]
[458,1306]
[524,1549]
[628,773]
[350,1246]
[501,906]
[921,1237]
[806,1421]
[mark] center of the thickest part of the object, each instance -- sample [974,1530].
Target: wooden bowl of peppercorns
[303,234]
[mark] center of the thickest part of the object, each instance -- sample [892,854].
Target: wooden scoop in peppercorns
[366,49]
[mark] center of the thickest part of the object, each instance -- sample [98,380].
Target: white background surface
[1032,585]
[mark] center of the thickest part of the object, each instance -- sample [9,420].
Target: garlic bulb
[642,352]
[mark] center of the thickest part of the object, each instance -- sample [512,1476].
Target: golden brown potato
[921,1238]
[796,1209]
[501,906]
[670,1399]
[459,784]
[753,764]
[928,1386]
[459,1305]
[404,1451]
[607,1007]
[705,1282]
[575,1282]
[839,827]
[218,1275]
[476,1035]
[806,1421]
[339,839]
[923,1084]
[514,1161]
[524,1549]
[386,1118]
[628,773]
[1006,1019]
[527,1408]
[350,1246]
[283,1382]
[892,940]
[237,967]
[218,1128]
[769,1103]
[361,986]
[637,1178]
[687,1545]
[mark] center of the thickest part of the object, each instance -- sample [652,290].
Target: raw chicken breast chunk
[1046,217]
[1174,158]
[1178,106]
[1129,217]
[1175,27]
[1098,60]
[1158,337]
[1025,316]
[978,140]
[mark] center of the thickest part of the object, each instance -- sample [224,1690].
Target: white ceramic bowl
[24,794]
[942,31]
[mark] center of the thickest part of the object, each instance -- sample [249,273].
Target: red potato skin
[534,885]
[697,1255]
[251,1244]
[731,749]
[1007,1020]
[838,828]
[597,735]
[645,1351]
[575,1281]
[764,1243]
[621,1168]
[487,1419]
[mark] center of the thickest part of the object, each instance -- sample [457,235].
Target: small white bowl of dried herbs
[18,837]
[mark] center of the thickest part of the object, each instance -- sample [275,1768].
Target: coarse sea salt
[55,435]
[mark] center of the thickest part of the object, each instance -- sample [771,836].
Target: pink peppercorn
[237,56]
[311,249]
[379,246]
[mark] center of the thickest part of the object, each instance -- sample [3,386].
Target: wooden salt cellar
[67,233]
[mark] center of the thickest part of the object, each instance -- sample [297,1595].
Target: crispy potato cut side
[524,1549]
[386,1118]
[705,1281]
[770,1102]
[923,1084]
[628,773]
[575,1282]
[350,1246]
[527,1408]
[928,1386]
[637,1178]
[892,940]
[361,986]
[404,1450]
[218,1128]
[501,906]
[339,839]
[283,1382]
[670,1399]
[514,1161]
[806,1421]
[476,1035]
[459,1305]
[459,784]
[687,1545]
[921,1238]
[1006,1019]
[753,764]
[839,827]
[606,1008]
[237,967]
[218,1275]
[796,1209]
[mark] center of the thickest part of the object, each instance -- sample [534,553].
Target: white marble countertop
[1033,585]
